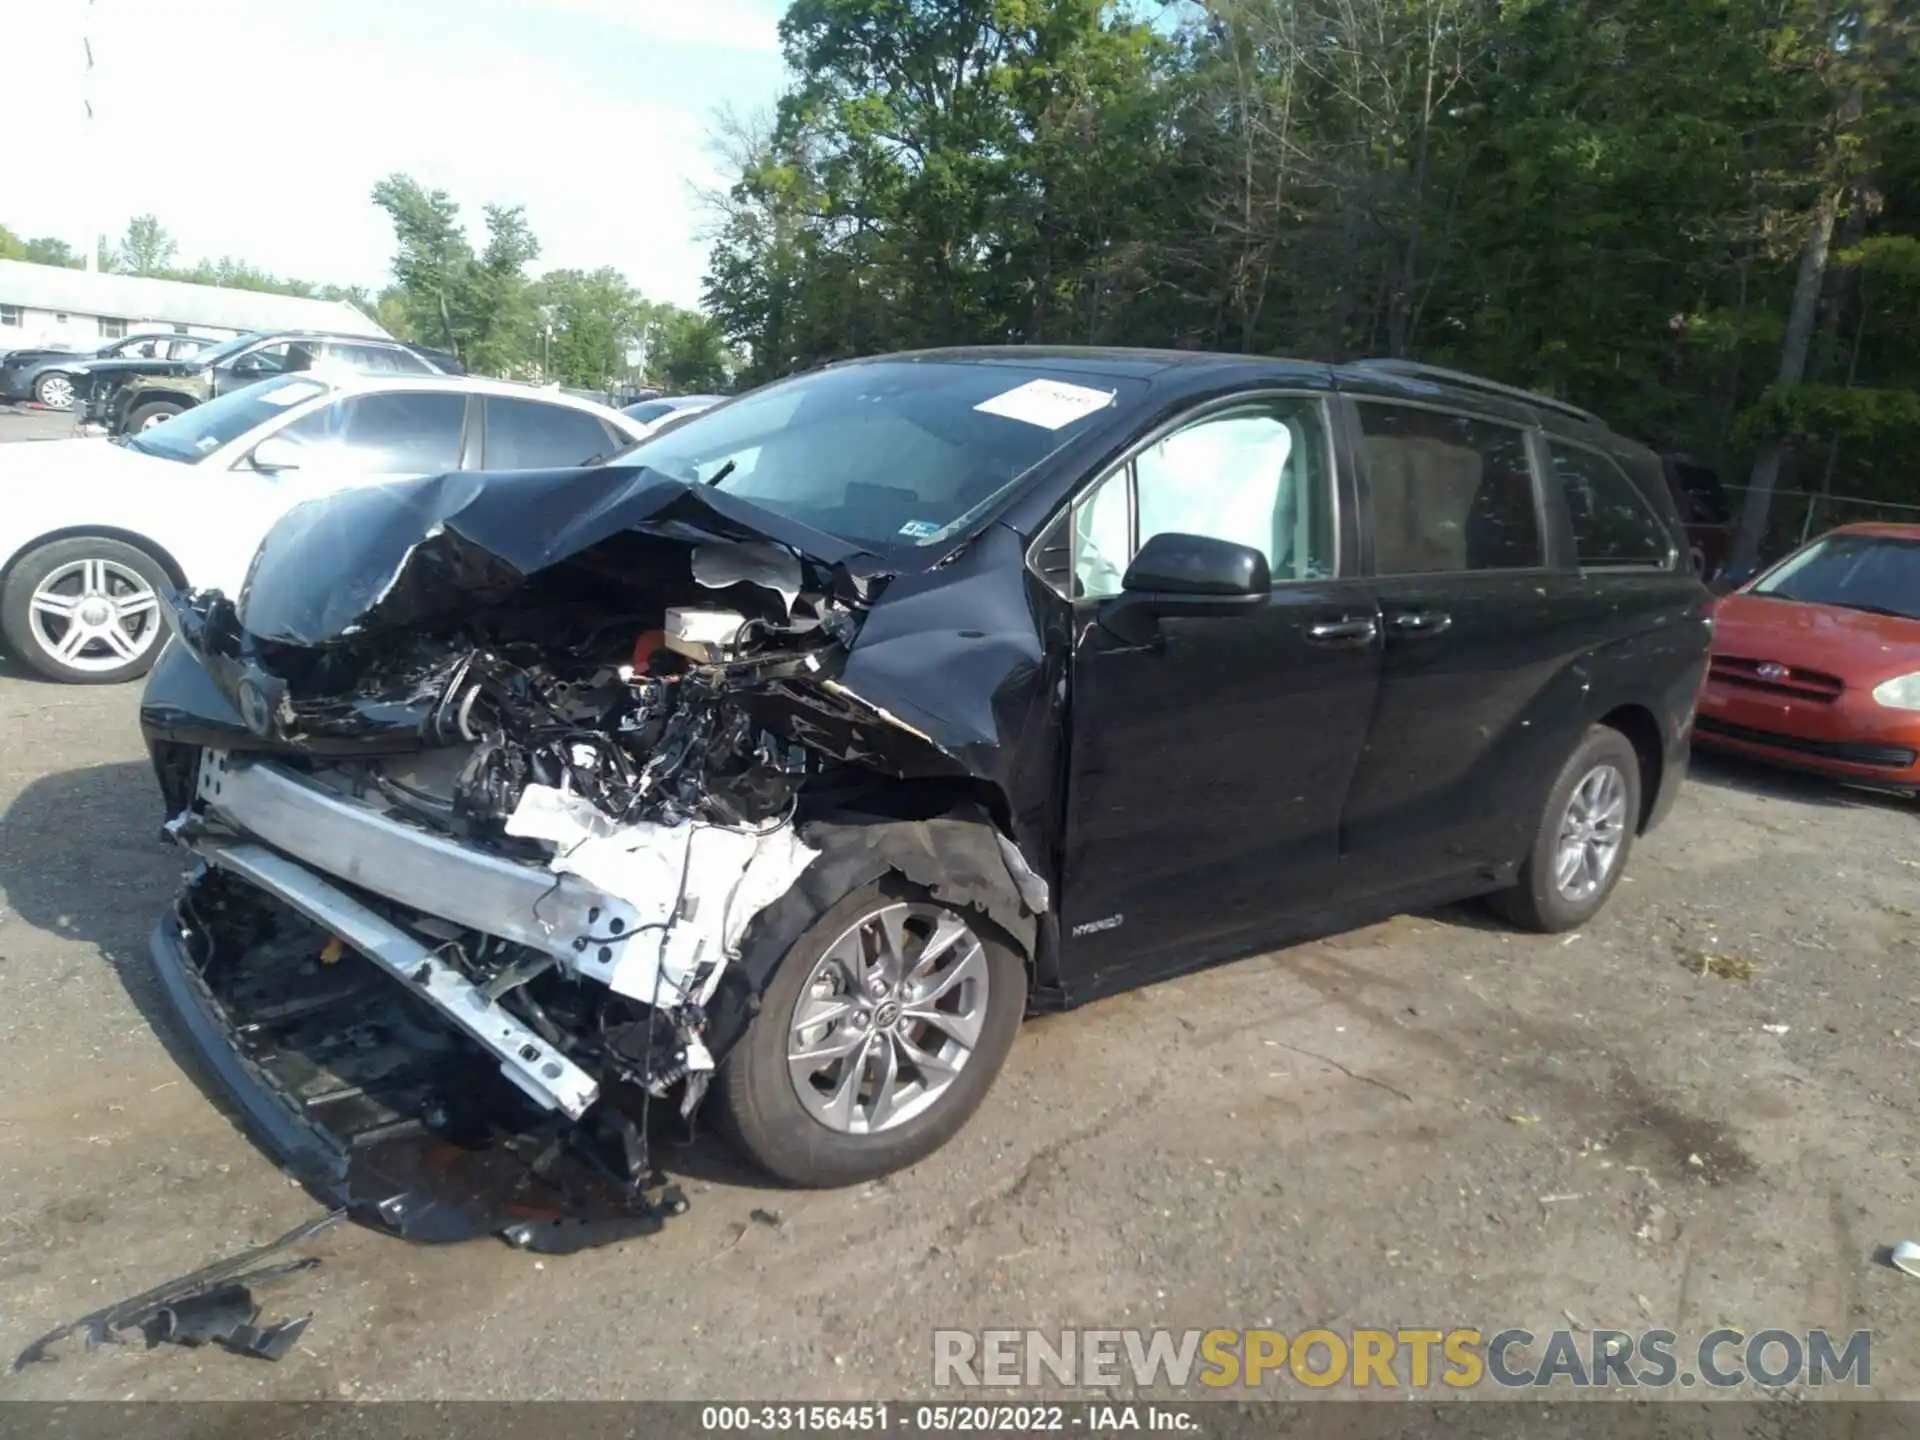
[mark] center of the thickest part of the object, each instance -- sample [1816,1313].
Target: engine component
[707,636]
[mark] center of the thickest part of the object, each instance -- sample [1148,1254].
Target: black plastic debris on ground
[212,1305]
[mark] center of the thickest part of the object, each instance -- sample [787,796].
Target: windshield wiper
[722,473]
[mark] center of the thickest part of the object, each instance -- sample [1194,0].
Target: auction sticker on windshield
[1050,404]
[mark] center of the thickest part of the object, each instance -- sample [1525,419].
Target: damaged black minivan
[773,771]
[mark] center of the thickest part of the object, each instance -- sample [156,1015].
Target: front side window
[532,435]
[1612,522]
[1876,573]
[284,357]
[397,433]
[194,434]
[1447,493]
[183,349]
[1256,475]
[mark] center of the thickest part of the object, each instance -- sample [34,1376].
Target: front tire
[147,416]
[882,1030]
[1585,835]
[54,391]
[85,611]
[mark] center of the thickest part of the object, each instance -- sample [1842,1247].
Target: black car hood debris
[408,553]
[212,1305]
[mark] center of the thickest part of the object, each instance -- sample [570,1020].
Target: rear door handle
[1418,624]
[1347,634]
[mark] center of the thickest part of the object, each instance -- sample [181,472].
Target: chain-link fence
[1796,516]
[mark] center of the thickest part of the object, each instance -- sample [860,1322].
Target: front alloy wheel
[880,1031]
[54,391]
[85,610]
[888,1018]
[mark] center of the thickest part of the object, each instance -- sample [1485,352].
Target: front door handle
[1347,634]
[1419,624]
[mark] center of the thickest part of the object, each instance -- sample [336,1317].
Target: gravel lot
[1429,1122]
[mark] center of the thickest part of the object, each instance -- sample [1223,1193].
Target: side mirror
[276,453]
[1188,576]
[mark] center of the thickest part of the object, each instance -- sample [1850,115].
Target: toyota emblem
[1771,671]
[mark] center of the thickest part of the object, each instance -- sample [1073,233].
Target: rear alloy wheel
[148,416]
[1585,834]
[54,390]
[86,611]
[883,1028]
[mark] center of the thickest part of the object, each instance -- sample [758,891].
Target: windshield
[892,453]
[194,434]
[1879,573]
[648,410]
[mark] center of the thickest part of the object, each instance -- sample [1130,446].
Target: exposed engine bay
[550,801]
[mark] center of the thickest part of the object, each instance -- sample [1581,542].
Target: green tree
[1699,217]
[478,306]
[146,248]
[686,352]
[597,318]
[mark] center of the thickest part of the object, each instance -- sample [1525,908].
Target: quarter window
[1448,493]
[532,435]
[1612,522]
[1255,475]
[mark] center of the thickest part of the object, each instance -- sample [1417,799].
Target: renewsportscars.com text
[1460,1358]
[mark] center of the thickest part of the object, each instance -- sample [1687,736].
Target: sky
[258,128]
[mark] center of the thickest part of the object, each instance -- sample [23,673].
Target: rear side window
[1612,522]
[1448,493]
[531,435]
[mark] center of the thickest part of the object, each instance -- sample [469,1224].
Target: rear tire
[819,1141]
[1585,835]
[152,414]
[109,588]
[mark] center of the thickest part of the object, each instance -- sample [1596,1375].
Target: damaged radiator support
[546,1075]
[651,912]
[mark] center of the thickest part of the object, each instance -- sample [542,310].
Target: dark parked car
[123,396]
[1704,507]
[47,376]
[787,762]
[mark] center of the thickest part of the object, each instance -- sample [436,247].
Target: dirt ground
[1429,1122]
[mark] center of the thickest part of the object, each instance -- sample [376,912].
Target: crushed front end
[481,808]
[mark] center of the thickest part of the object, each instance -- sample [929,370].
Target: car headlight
[1900,693]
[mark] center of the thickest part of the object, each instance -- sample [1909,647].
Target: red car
[1816,662]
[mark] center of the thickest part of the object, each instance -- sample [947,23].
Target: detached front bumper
[382,1076]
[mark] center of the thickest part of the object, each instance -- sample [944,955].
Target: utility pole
[91,177]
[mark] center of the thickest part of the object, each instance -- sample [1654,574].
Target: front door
[1210,762]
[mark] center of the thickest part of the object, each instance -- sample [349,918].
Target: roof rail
[1413,369]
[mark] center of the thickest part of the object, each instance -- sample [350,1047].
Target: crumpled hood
[394,555]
